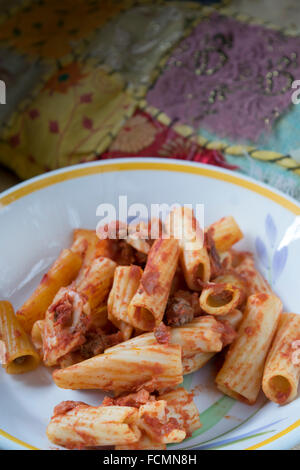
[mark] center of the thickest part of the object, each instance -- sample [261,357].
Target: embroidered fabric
[144,136]
[20,76]
[4,6]
[232,78]
[282,13]
[51,29]
[134,42]
[76,114]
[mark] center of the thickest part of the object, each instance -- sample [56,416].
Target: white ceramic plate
[36,222]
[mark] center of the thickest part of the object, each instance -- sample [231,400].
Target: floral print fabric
[142,135]
[20,76]
[72,119]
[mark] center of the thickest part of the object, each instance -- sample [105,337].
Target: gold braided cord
[285,161]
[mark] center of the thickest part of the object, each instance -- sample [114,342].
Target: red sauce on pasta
[162,333]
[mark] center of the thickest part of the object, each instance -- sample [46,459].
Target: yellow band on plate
[159,166]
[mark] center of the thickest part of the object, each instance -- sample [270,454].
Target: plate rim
[286,437]
[147,163]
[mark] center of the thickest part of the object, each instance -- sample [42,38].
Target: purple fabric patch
[232,78]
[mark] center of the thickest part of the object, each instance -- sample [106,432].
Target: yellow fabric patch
[73,119]
[51,28]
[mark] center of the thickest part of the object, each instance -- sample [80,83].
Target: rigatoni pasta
[203,334]
[61,274]
[19,355]
[182,225]
[226,259]
[67,320]
[125,284]
[193,362]
[255,283]
[234,318]
[197,339]
[144,443]
[37,334]
[282,369]
[226,233]
[229,276]
[181,407]
[85,241]
[153,367]
[138,237]
[77,425]
[241,374]
[97,281]
[220,299]
[133,315]
[158,425]
[147,307]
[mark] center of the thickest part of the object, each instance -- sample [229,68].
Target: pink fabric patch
[144,136]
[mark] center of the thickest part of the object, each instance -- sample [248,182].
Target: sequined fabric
[231,78]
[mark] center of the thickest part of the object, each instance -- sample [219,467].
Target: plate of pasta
[117,333]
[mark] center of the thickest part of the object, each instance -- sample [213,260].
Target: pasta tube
[180,406]
[182,224]
[67,321]
[76,425]
[203,334]
[154,421]
[138,237]
[97,281]
[226,233]
[139,244]
[145,443]
[19,354]
[282,369]
[220,299]
[235,279]
[255,282]
[179,412]
[99,317]
[226,259]
[147,307]
[84,243]
[37,334]
[241,374]
[125,285]
[234,318]
[154,367]
[61,274]
[192,363]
